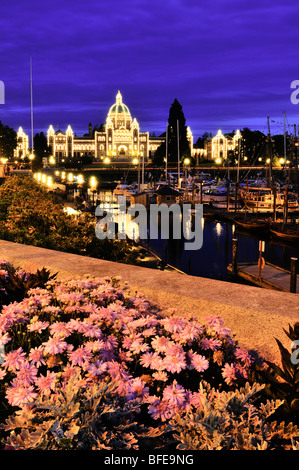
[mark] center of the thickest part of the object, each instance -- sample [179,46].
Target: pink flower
[198,362]
[19,396]
[27,374]
[80,356]
[244,356]
[160,376]
[161,410]
[229,373]
[55,346]
[36,355]
[161,343]
[175,394]
[152,360]
[138,388]
[14,360]
[60,329]
[212,344]
[175,363]
[37,326]
[46,383]
[173,324]
[97,368]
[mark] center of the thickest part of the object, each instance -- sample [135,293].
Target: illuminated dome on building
[120,140]
[119,113]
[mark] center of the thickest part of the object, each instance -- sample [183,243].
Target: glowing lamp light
[80,179]
[135,161]
[70,177]
[218,161]
[49,182]
[187,161]
[93,182]
[107,160]
[281,161]
[268,160]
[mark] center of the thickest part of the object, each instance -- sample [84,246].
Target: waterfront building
[218,148]
[120,139]
[22,148]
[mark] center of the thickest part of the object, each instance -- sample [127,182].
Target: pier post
[235,256]
[293,281]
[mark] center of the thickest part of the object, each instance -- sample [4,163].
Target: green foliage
[8,141]
[15,284]
[283,382]
[79,419]
[232,421]
[29,215]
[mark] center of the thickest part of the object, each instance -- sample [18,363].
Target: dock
[272,277]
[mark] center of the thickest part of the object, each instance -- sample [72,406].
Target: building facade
[121,140]
[218,148]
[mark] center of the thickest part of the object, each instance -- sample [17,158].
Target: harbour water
[215,255]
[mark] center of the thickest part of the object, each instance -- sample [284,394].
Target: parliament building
[119,140]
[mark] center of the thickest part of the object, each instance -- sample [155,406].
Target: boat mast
[269,153]
[166,153]
[284,143]
[179,166]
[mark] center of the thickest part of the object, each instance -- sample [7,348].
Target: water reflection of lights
[218,229]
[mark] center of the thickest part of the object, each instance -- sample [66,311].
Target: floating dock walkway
[272,277]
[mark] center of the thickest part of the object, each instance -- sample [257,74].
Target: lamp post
[31,158]
[93,186]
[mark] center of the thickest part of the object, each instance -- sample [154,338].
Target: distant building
[22,148]
[218,147]
[120,140]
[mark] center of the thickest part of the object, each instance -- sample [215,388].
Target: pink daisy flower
[80,356]
[174,394]
[46,383]
[55,346]
[14,360]
[36,355]
[174,363]
[37,326]
[198,362]
[18,396]
[229,373]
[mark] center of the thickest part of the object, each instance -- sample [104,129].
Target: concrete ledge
[256,316]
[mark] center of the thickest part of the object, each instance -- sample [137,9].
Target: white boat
[124,190]
[261,199]
[223,205]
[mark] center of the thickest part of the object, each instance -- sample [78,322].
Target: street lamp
[93,186]
[31,158]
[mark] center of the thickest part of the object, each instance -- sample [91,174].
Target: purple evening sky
[230,64]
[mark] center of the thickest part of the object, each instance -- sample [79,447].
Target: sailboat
[268,198]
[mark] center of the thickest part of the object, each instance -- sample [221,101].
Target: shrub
[232,421]
[29,215]
[86,364]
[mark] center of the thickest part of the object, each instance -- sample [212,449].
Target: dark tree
[176,120]
[253,144]
[8,141]
[41,150]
